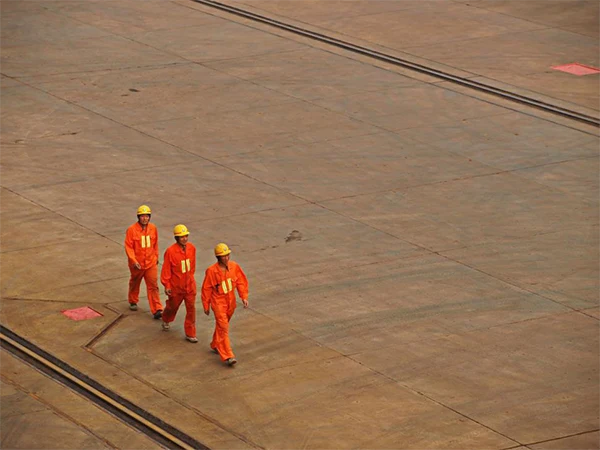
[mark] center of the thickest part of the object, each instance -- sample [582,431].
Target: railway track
[160,432]
[504,94]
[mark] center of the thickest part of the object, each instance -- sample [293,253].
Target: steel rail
[590,120]
[162,433]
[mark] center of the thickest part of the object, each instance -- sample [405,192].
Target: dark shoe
[158,315]
[231,361]
[191,339]
[133,306]
[214,350]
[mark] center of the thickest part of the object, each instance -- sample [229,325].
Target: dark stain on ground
[293,236]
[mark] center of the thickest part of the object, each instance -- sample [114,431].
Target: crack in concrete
[563,437]
[439,403]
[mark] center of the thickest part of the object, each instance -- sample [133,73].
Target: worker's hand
[207,312]
[168,292]
[245,302]
[137,266]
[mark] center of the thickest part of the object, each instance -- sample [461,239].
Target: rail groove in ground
[154,428]
[482,87]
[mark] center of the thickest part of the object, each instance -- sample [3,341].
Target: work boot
[133,306]
[165,326]
[191,339]
[231,361]
[158,314]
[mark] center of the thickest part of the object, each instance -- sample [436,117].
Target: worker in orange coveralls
[177,276]
[220,281]
[141,247]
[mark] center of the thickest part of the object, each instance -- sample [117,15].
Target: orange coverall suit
[141,247]
[218,293]
[179,267]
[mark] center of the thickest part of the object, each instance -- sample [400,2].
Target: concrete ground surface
[423,258]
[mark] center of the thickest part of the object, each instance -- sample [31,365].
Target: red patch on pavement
[83,313]
[577,69]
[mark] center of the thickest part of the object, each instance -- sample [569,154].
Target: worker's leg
[190,315]
[151,278]
[220,339]
[134,285]
[173,303]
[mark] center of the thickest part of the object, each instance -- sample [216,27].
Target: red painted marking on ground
[577,69]
[83,313]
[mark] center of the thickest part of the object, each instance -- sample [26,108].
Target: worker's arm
[129,249]
[165,273]
[207,291]
[242,286]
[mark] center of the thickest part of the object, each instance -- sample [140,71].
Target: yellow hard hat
[144,209]
[180,230]
[222,250]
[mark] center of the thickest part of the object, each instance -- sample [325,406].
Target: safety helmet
[180,230]
[144,209]
[222,250]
